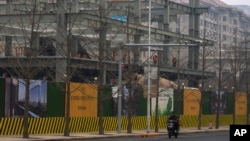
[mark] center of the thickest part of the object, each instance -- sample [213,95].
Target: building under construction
[80,39]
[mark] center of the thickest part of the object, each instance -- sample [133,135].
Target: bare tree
[22,51]
[238,55]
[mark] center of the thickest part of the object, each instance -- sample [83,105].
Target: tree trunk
[67,115]
[26,110]
[130,87]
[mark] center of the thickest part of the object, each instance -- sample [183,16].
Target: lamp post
[149,67]
[210,90]
[210,94]
[183,85]
[225,88]
[119,92]
[95,79]
[247,108]
[217,122]
[200,109]
[247,70]
[201,85]
[180,97]
[223,98]
[233,90]
[235,73]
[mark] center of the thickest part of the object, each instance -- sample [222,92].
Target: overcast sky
[237,2]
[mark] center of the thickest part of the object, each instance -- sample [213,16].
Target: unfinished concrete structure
[79,31]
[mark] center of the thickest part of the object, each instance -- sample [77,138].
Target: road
[215,136]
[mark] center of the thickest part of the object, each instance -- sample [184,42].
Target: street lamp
[210,91]
[209,86]
[119,91]
[95,79]
[149,67]
[225,95]
[200,85]
[247,108]
[247,70]
[219,87]
[233,89]
[200,109]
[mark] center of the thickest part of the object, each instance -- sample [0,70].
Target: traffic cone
[210,125]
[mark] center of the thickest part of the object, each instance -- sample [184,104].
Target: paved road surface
[186,134]
[220,136]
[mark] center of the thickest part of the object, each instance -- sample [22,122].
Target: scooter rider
[175,118]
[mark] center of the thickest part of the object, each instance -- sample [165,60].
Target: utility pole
[102,43]
[201,87]
[247,94]
[130,81]
[202,83]
[149,68]
[200,109]
[217,123]
[157,95]
[119,91]
[235,73]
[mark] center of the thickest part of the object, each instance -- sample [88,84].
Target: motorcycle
[173,128]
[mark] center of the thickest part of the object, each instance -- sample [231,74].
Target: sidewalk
[73,136]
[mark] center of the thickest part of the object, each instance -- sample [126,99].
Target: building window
[234,39]
[224,46]
[178,30]
[235,22]
[224,18]
[224,28]
[20,51]
[224,37]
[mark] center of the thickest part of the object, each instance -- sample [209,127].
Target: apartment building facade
[229,28]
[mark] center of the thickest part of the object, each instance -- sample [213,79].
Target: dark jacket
[173,117]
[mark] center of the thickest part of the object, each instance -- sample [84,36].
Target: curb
[109,135]
[203,131]
[150,135]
